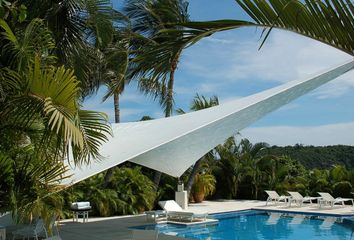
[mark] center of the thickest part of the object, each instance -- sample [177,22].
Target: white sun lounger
[175,212]
[273,196]
[299,199]
[327,198]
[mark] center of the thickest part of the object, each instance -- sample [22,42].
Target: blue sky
[229,65]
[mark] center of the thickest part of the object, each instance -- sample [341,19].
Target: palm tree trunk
[192,175]
[157,178]
[168,109]
[116,107]
[109,172]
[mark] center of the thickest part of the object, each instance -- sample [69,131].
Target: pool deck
[115,228]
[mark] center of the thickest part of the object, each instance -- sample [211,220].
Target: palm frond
[20,48]
[50,95]
[95,130]
[99,18]
[6,181]
[328,21]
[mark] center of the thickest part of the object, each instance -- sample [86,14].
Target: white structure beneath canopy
[172,145]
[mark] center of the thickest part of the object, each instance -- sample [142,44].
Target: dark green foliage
[244,170]
[40,115]
[128,192]
[317,157]
[342,189]
[7,181]
[167,188]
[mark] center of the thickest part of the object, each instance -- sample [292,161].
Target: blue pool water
[265,225]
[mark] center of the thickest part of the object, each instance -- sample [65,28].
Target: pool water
[265,225]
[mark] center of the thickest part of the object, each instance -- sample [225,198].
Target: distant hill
[317,157]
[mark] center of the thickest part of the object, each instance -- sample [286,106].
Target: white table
[84,213]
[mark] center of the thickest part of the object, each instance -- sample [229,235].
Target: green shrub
[134,189]
[128,192]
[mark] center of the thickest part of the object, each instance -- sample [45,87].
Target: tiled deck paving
[116,228]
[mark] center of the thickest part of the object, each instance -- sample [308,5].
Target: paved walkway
[117,228]
[236,205]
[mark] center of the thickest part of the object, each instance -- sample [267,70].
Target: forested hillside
[318,157]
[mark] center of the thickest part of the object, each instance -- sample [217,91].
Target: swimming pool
[260,225]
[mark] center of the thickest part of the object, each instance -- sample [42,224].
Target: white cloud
[332,134]
[285,56]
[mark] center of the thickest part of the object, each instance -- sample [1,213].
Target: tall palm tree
[156,70]
[114,73]
[199,103]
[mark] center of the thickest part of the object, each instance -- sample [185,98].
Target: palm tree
[204,184]
[339,173]
[156,70]
[230,166]
[46,91]
[319,181]
[41,108]
[115,63]
[79,28]
[251,159]
[199,103]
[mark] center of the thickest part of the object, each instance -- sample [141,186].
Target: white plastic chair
[32,231]
[142,234]
[299,199]
[273,196]
[175,212]
[329,199]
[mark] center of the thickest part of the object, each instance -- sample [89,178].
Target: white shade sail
[171,145]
